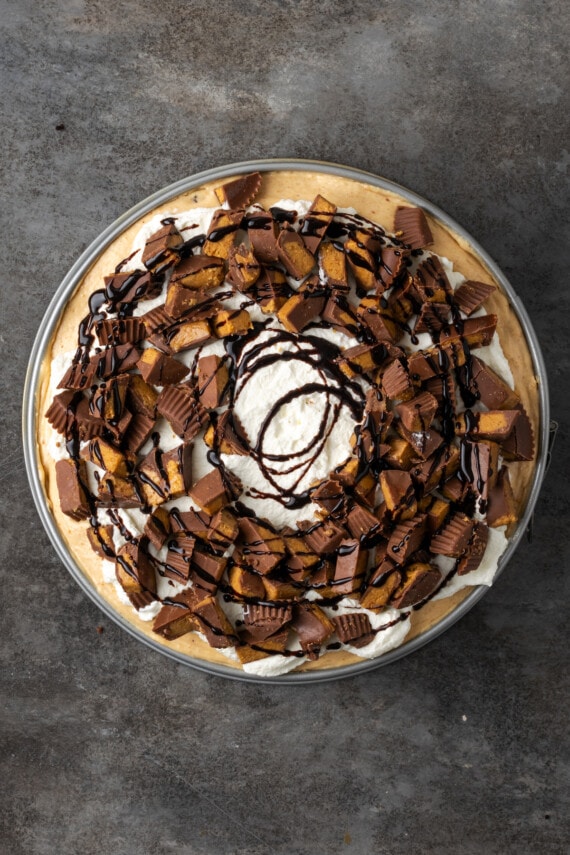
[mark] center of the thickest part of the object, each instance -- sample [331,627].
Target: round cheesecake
[329,438]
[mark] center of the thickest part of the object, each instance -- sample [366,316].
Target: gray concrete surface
[108,747]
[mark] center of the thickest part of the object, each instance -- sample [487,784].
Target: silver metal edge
[51,318]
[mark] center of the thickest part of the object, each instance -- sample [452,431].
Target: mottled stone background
[108,747]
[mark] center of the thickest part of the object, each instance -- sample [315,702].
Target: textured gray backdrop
[108,747]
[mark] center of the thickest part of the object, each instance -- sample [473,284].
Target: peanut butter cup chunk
[502,506]
[107,456]
[491,424]
[323,538]
[177,564]
[376,319]
[350,567]
[212,492]
[134,570]
[141,396]
[101,541]
[159,252]
[316,222]
[213,381]
[175,617]
[433,317]
[412,226]
[384,580]
[159,369]
[71,477]
[207,569]
[362,263]
[519,445]
[331,496]
[430,283]
[120,331]
[158,527]
[231,322]
[302,307]
[363,524]
[396,382]
[272,290]
[417,414]
[245,583]
[398,491]
[420,581]
[312,627]
[488,387]
[194,522]
[61,412]
[332,261]
[214,624]
[263,620]
[263,232]
[180,407]
[244,269]
[239,192]
[454,537]
[223,530]
[262,547]
[222,232]
[471,295]
[352,628]
[293,254]
[475,549]
[406,539]
[199,272]
[140,428]
[125,289]
[391,265]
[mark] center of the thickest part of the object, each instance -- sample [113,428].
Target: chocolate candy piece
[406,538]
[165,475]
[488,387]
[61,412]
[421,580]
[263,620]
[313,628]
[213,380]
[232,322]
[159,369]
[182,410]
[475,549]
[175,617]
[197,273]
[223,530]
[293,254]
[412,226]
[180,548]
[141,398]
[195,522]
[272,290]
[263,232]
[323,538]
[362,262]
[222,232]
[126,289]
[100,538]
[433,317]
[159,251]
[470,295]
[352,627]
[492,424]
[263,548]
[519,445]
[399,494]
[392,262]
[454,537]
[239,192]
[244,269]
[108,457]
[134,569]
[139,430]
[363,525]
[302,307]
[396,382]
[316,222]
[382,583]
[502,507]
[375,318]
[430,282]
[214,624]
[417,414]
[332,262]
[245,583]
[71,478]
[213,492]
[331,496]
[207,569]
[349,568]
[120,331]
[158,527]
[112,361]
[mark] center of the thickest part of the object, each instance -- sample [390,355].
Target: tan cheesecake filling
[287,435]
